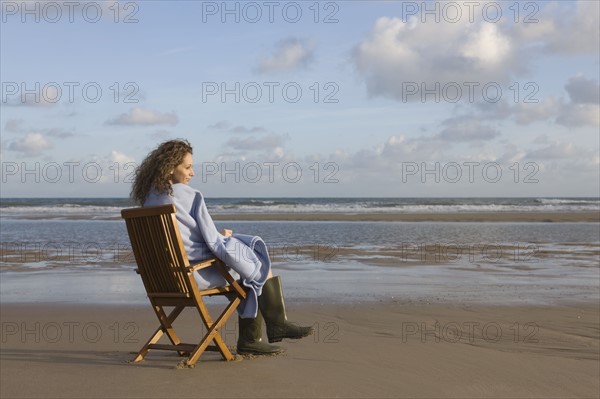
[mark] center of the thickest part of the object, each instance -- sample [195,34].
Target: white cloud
[117,156]
[397,53]
[278,152]
[252,143]
[581,109]
[545,110]
[16,126]
[556,150]
[32,95]
[576,31]
[31,144]
[512,153]
[145,117]
[387,158]
[487,46]
[578,115]
[290,54]
[108,168]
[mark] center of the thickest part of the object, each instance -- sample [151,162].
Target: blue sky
[370,132]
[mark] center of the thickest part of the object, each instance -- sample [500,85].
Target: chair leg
[165,327]
[166,322]
[223,349]
[213,332]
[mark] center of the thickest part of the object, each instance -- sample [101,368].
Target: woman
[163,178]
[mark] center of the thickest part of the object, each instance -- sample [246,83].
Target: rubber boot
[250,338]
[272,307]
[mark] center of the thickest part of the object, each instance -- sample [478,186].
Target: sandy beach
[385,349]
[479,305]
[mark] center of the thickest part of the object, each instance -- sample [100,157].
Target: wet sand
[366,350]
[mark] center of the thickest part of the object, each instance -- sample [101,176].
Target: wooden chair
[168,278]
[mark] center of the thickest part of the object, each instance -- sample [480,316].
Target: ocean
[106,208]
[46,239]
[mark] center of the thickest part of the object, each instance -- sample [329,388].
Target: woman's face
[184,171]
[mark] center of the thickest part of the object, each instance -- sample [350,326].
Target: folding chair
[168,278]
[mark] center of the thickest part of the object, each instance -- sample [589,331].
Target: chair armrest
[221,266]
[234,284]
[202,265]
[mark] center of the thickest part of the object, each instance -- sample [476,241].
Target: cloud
[522,113]
[579,115]
[487,47]
[555,150]
[16,126]
[247,143]
[31,95]
[583,91]
[290,54]
[583,107]
[466,129]
[220,125]
[226,127]
[243,129]
[386,158]
[31,144]
[160,134]
[59,133]
[396,53]
[566,28]
[13,126]
[268,143]
[580,109]
[554,164]
[145,117]
[119,164]
[527,113]
[122,158]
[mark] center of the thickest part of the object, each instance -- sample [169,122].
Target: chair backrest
[158,250]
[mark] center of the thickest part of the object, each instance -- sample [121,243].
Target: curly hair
[155,170]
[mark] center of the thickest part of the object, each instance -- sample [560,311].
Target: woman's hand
[227,233]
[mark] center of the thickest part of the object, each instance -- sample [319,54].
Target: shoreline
[369,350]
[546,217]
[500,217]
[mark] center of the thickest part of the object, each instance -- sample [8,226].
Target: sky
[303,99]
